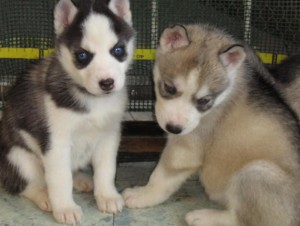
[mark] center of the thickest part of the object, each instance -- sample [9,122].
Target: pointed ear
[64,14]
[232,57]
[122,9]
[174,38]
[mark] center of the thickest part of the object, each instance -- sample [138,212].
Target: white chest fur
[85,132]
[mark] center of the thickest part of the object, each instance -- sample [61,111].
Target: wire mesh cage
[270,26]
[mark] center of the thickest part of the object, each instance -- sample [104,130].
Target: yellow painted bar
[267,58]
[144,54]
[47,52]
[19,53]
[140,54]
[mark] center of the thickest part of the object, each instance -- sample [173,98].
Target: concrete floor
[15,211]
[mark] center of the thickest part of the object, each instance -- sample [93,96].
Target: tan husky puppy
[229,125]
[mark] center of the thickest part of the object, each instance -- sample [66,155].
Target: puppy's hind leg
[83,182]
[264,194]
[211,217]
[30,168]
[260,194]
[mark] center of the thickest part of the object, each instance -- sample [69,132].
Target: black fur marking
[287,71]
[80,61]
[62,88]
[24,111]
[10,178]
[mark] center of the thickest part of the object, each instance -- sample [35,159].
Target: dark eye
[170,89]
[204,103]
[118,52]
[83,57]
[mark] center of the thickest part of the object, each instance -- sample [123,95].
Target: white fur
[31,142]
[87,138]
[180,111]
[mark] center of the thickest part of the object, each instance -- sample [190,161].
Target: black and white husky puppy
[66,112]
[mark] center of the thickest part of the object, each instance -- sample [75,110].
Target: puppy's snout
[107,84]
[173,128]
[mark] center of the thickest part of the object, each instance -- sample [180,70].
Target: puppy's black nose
[173,129]
[107,84]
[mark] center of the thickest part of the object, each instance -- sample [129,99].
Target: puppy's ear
[122,9]
[64,14]
[174,38]
[232,57]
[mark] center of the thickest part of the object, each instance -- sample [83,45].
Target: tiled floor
[15,211]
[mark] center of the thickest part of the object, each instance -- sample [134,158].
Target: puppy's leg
[30,167]
[104,165]
[58,174]
[82,182]
[210,217]
[175,166]
[259,194]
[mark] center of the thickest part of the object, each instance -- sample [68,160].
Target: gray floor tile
[15,211]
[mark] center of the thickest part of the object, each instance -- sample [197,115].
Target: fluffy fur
[66,112]
[228,123]
[286,79]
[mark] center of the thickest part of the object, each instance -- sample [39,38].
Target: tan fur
[241,137]
[245,153]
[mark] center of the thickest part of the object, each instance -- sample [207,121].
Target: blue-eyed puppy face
[95,41]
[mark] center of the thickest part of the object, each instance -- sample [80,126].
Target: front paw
[112,203]
[138,197]
[68,215]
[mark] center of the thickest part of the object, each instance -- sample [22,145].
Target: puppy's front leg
[104,165]
[58,174]
[175,166]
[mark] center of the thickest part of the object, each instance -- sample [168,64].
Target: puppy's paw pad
[110,203]
[69,215]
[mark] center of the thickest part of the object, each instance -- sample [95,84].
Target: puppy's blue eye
[119,52]
[83,57]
